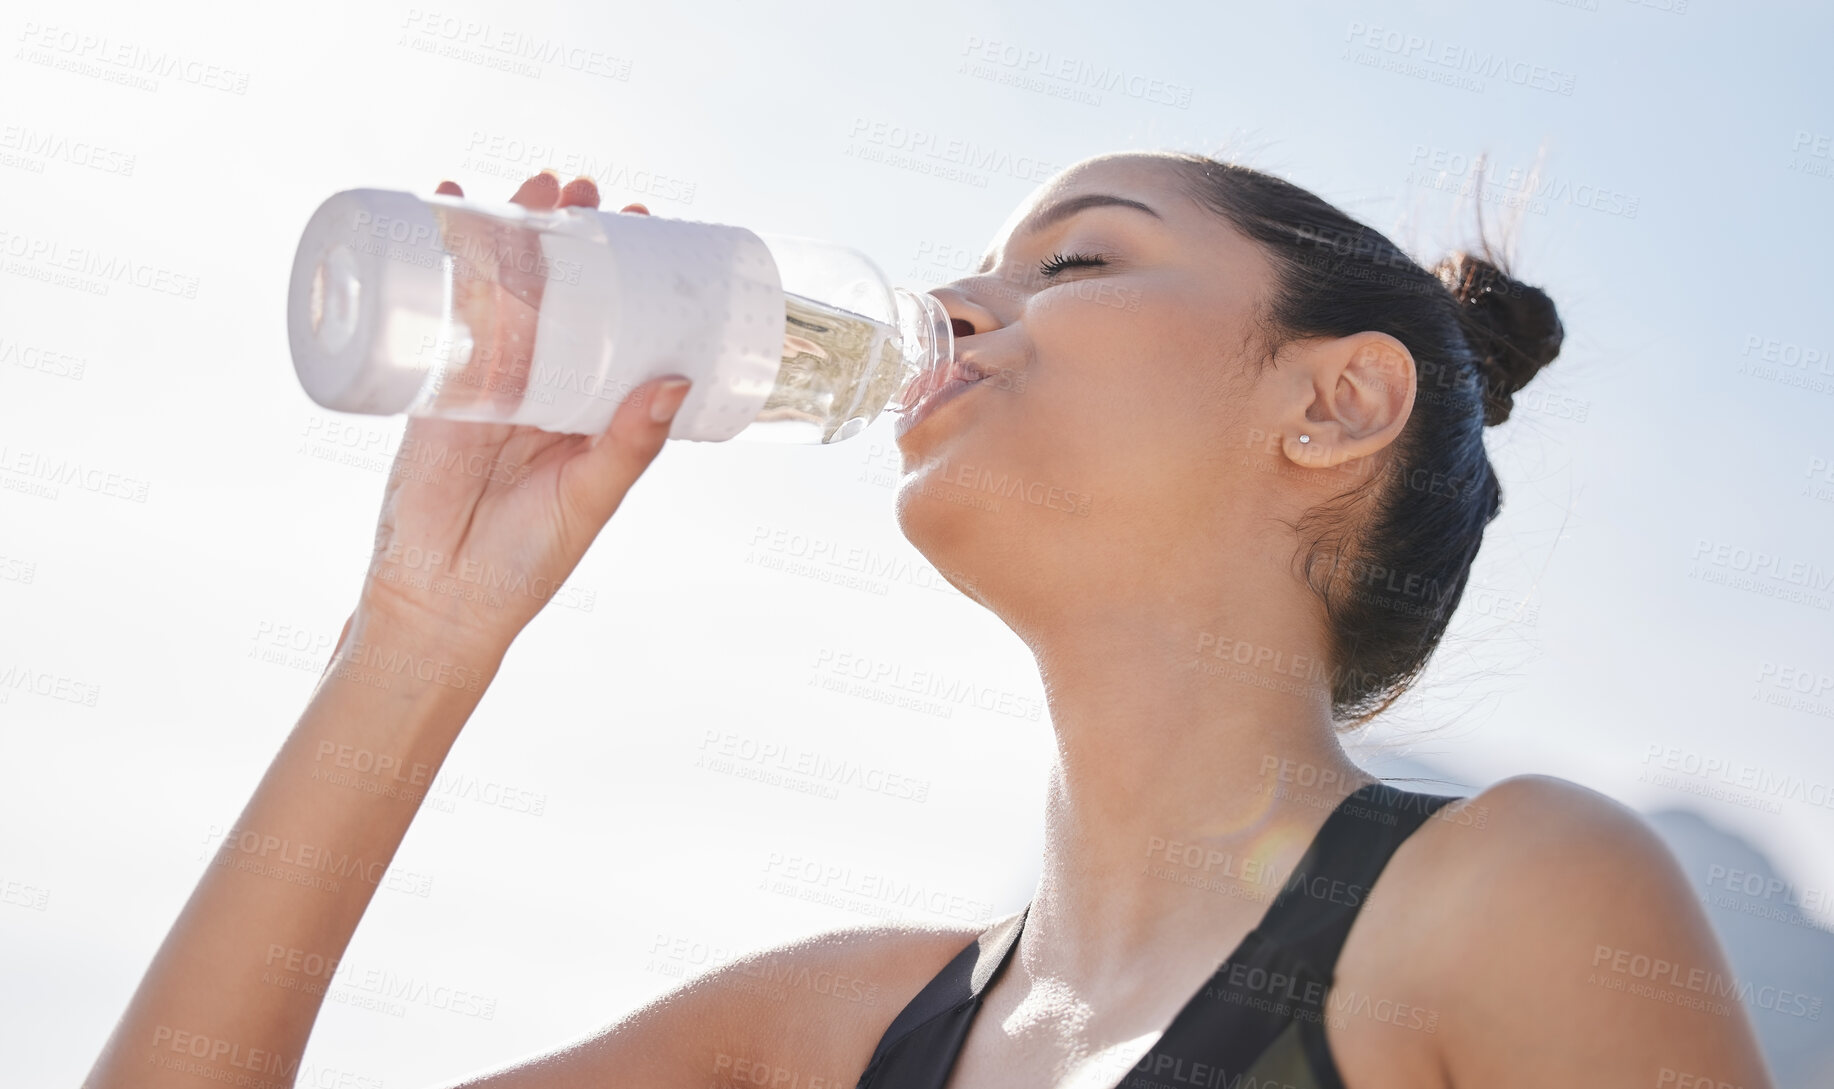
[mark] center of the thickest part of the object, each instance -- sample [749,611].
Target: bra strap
[934,1024]
[1283,969]
[1312,915]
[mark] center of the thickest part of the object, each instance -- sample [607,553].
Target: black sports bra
[1258,1021]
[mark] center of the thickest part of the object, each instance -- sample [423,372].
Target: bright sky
[1657,596]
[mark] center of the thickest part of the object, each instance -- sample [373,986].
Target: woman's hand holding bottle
[482,522]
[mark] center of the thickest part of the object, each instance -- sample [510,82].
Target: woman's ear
[1350,397]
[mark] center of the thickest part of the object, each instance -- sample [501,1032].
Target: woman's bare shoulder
[1557,913]
[806,1012]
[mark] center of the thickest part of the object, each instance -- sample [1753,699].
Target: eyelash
[1058,262]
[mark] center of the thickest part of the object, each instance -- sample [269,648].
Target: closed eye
[1056,263]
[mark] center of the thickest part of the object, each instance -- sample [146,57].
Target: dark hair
[1477,336]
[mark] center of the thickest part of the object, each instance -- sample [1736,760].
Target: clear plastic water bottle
[442,306]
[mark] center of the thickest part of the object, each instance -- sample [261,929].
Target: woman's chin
[930,512]
[947,535]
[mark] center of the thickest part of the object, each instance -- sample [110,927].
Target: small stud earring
[1305,438]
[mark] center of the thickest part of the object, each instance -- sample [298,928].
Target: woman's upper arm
[806,1013]
[1583,958]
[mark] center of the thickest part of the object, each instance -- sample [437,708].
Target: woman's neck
[1194,764]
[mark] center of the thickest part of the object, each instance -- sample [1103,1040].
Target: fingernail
[668,398]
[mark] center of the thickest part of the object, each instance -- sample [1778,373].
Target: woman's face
[1112,422]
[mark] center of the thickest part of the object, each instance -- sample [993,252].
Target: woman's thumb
[646,415]
[637,430]
[666,397]
[617,456]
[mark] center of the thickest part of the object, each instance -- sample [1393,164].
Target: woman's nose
[966,316]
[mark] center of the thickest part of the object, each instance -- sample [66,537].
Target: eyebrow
[1063,209]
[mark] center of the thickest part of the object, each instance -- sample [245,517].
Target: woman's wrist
[385,651]
[393,695]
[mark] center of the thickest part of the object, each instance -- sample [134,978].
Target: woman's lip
[927,407]
[956,370]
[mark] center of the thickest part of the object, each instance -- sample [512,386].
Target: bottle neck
[927,340]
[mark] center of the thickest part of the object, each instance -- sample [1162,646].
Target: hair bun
[1513,328]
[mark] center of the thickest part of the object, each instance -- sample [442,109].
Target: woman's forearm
[289,881]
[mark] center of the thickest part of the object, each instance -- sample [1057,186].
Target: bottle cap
[369,301]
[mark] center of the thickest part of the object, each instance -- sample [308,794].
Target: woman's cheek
[1092,307]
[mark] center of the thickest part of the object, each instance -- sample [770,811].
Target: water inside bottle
[839,371]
